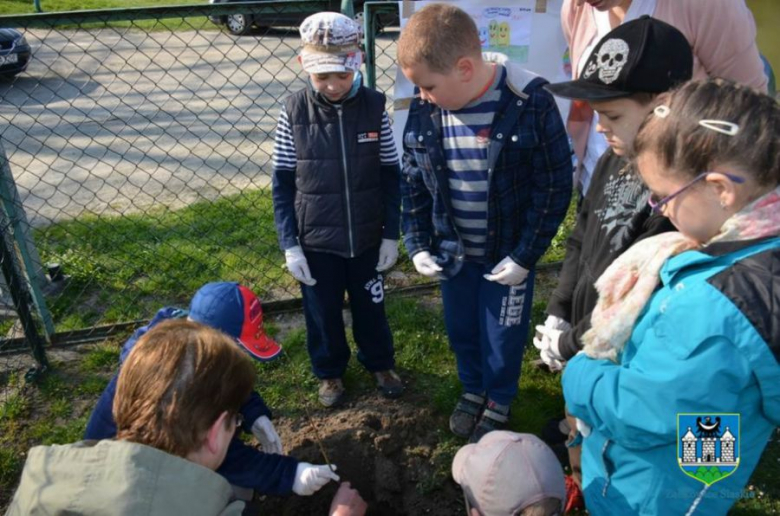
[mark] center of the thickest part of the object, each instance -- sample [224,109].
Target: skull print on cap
[645,55]
[612,58]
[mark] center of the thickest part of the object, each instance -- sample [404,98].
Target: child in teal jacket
[688,323]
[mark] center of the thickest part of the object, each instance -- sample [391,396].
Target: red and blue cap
[236,311]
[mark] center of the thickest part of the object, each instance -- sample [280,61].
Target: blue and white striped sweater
[465,138]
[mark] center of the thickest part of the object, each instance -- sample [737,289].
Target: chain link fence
[140,143]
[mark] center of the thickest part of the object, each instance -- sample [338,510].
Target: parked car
[15,53]
[238,24]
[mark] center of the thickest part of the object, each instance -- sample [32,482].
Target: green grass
[11,462]
[14,408]
[105,357]
[767,16]
[9,7]
[557,250]
[26,6]
[124,268]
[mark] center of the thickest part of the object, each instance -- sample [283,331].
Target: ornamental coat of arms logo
[708,445]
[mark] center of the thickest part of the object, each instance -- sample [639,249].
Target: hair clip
[662,111]
[720,126]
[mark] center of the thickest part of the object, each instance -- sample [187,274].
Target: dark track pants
[487,325]
[326,339]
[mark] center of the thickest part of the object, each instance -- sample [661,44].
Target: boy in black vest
[337,204]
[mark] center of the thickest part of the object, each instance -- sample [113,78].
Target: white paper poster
[527,31]
[505,29]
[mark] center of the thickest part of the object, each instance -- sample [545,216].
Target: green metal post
[11,204]
[347,8]
[371,12]
[37,6]
[369,22]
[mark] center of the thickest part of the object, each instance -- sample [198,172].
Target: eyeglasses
[658,205]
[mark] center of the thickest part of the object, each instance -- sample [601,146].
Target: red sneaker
[574,499]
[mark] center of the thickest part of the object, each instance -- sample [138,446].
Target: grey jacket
[118,478]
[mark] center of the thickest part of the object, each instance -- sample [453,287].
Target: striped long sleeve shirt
[465,138]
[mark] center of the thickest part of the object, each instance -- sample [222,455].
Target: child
[487,180]
[507,473]
[236,311]
[687,323]
[336,205]
[177,408]
[614,213]
[722,34]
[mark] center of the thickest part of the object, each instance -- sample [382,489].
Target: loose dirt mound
[389,450]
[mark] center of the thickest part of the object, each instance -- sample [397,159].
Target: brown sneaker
[389,384]
[331,391]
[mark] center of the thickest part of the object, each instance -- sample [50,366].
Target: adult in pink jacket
[722,34]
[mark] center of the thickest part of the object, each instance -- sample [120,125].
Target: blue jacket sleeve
[636,406]
[266,473]
[416,207]
[283,192]
[391,190]
[101,423]
[254,408]
[283,187]
[551,183]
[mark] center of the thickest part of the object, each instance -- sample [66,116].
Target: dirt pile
[391,451]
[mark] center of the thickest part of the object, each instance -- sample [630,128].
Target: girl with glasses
[688,322]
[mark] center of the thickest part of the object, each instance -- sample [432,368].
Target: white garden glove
[556,323]
[507,272]
[266,435]
[546,341]
[388,254]
[425,264]
[310,478]
[298,266]
[583,428]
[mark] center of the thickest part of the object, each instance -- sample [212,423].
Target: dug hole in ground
[387,450]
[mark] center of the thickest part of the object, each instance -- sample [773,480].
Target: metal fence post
[347,8]
[31,263]
[371,12]
[20,292]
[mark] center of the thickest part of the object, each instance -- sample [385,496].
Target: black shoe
[389,384]
[494,417]
[552,434]
[467,411]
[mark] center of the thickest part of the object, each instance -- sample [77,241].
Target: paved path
[112,120]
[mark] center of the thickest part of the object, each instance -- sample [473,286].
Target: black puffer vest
[338,203]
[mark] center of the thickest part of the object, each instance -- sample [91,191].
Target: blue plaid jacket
[529,177]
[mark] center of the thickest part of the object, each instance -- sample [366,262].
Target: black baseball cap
[644,55]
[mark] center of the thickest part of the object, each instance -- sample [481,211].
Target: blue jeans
[323,303]
[487,325]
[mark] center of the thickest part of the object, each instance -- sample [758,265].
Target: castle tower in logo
[708,448]
[727,447]
[715,449]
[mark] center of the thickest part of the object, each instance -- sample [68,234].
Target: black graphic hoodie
[613,215]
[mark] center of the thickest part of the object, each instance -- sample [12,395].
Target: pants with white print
[326,338]
[487,325]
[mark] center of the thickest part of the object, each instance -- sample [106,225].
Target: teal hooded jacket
[707,342]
